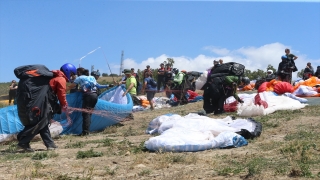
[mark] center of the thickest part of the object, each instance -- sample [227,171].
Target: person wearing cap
[136,75]
[131,86]
[161,77]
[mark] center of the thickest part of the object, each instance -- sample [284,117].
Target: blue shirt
[149,87]
[88,83]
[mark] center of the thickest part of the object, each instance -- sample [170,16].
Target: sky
[193,33]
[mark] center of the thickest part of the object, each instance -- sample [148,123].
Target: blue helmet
[284,57]
[67,69]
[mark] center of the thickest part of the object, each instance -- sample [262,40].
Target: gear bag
[36,101]
[230,68]
[153,83]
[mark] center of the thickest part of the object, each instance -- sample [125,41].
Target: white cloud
[252,57]
[218,51]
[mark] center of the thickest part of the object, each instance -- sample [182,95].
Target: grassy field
[289,147]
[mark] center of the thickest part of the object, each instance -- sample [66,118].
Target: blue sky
[193,33]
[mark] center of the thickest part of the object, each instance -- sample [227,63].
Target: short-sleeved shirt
[86,83]
[161,70]
[133,80]
[149,87]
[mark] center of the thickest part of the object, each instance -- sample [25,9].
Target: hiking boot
[84,134]
[25,147]
[52,147]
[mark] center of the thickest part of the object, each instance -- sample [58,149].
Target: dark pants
[29,132]
[161,81]
[214,96]
[89,101]
[12,95]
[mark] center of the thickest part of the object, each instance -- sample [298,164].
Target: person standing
[13,91]
[291,58]
[161,76]
[147,70]
[131,84]
[136,75]
[46,88]
[150,90]
[96,75]
[88,86]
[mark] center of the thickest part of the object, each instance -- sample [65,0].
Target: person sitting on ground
[270,75]
[13,91]
[308,71]
[150,90]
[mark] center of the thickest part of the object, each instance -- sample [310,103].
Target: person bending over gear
[216,93]
[179,87]
[96,75]
[37,119]
[308,71]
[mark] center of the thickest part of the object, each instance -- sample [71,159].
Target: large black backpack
[230,68]
[36,101]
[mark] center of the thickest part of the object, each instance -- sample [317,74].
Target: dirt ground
[120,153]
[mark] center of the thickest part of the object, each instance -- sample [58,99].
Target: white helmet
[270,71]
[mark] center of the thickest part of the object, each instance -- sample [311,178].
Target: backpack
[153,83]
[36,101]
[230,68]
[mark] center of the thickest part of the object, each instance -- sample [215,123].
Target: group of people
[170,79]
[287,66]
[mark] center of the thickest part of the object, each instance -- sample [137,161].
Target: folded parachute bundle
[197,133]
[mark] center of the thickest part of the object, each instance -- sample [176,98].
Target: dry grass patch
[288,147]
